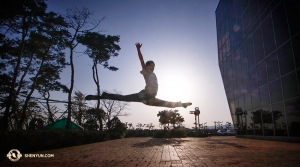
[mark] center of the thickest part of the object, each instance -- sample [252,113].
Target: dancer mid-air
[147,95]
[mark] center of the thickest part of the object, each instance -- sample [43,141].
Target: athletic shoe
[184,105]
[104,95]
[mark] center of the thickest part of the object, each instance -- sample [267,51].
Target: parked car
[222,132]
[231,132]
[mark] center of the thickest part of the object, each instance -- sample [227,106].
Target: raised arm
[138,47]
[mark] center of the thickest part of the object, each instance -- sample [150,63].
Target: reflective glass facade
[259,60]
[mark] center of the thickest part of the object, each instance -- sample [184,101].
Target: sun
[174,88]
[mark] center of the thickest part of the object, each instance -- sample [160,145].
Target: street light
[196,113]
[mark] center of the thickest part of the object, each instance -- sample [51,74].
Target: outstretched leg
[139,97]
[162,103]
[128,98]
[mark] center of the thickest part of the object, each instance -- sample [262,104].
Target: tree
[130,126]
[164,117]
[100,48]
[93,117]
[91,125]
[79,22]
[139,126]
[175,118]
[29,39]
[115,125]
[18,18]
[46,45]
[79,107]
[150,126]
[170,116]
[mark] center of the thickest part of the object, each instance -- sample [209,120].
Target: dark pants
[143,97]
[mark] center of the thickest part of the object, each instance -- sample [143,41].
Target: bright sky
[179,36]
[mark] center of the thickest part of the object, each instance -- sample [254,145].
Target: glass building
[259,61]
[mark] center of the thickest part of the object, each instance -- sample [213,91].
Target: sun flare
[174,88]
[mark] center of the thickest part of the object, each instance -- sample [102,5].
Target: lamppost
[228,125]
[196,113]
[204,125]
[217,122]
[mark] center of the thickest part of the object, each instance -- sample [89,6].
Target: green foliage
[116,126]
[91,125]
[174,133]
[93,116]
[100,47]
[31,49]
[170,117]
[197,134]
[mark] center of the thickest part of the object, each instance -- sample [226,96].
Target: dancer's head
[150,65]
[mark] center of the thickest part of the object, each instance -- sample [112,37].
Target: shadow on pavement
[160,142]
[226,143]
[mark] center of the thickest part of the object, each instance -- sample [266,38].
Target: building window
[286,58]
[280,24]
[250,53]
[246,17]
[253,8]
[248,103]
[296,49]
[258,45]
[257,121]
[246,84]
[262,73]
[241,116]
[293,14]
[264,95]
[264,11]
[276,91]
[268,36]
[241,103]
[279,119]
[243,55]
[290,86]
[250,124]
[240,86]
[292,108]
[255,98]
[238,65]
[272,67]
[267,121]
[253,78]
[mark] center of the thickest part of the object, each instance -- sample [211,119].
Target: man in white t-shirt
[147,95]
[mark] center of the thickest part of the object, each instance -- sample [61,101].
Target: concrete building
[259,60]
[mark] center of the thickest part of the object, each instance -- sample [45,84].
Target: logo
[14,155]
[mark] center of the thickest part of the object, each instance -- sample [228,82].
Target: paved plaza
[212,151]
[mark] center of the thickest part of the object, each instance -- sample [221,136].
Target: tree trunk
[24,111]
[20,85]
[48,107]
[70,90]
[12,96]
[96,80]
[80,117]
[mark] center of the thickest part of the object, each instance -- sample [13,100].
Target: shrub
[116,128]
[197,134]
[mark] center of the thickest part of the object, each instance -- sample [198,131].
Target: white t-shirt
[151,81]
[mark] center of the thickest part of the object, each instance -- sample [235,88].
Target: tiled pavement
[212,152]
